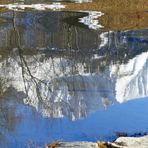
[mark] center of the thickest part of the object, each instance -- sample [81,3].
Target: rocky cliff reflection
[60,87]
[72,71]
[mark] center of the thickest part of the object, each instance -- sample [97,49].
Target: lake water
[71,71]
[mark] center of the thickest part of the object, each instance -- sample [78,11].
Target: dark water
[61,79]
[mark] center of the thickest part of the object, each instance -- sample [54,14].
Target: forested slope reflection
[48,29]
[72,70]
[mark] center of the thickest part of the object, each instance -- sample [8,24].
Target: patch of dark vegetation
[121,134]
[124,134]
[139,134]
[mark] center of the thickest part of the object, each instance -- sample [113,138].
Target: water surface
[71,75]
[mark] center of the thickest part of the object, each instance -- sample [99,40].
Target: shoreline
[121,142]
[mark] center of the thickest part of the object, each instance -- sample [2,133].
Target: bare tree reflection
[60,89]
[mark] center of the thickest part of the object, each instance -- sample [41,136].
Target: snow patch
[17,6]
[131,78]
[92,20]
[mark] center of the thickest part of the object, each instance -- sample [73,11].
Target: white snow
[82,1]
[17,6]
[104,39]
[92,20]
[131,78]
[133,142]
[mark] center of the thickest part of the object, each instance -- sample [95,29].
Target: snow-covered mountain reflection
[61,87]
[132,78]
[58,87]
[74,75]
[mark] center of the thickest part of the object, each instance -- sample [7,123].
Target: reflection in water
[72,72]
[59,87]
[92,20]
[66,87]
[8,112]
[20,7]
[41,1]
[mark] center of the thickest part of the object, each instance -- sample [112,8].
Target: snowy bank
[121,142]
